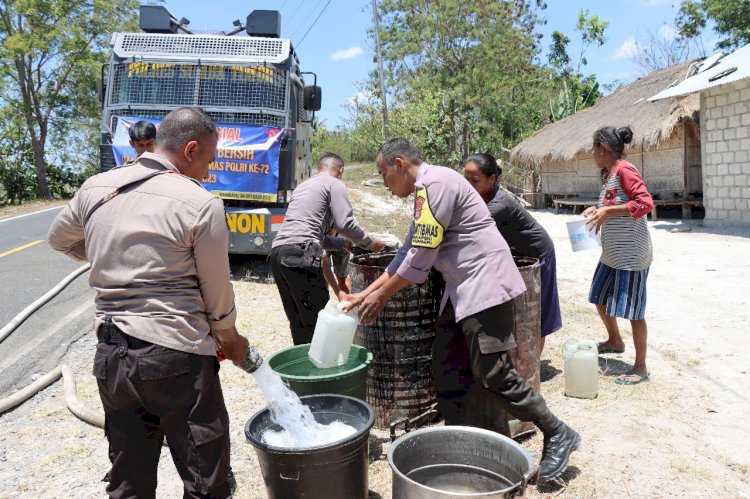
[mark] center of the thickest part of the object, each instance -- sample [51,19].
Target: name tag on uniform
[428,233]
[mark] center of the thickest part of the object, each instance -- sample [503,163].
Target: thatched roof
[652,122]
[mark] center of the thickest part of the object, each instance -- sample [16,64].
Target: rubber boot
[560,441]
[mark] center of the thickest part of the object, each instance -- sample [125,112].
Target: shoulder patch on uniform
[428,232]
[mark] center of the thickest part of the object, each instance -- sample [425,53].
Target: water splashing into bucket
[299,427]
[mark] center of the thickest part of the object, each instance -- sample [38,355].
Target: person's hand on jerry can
[342,295]
[353,300]
[370,306]
[230,345]
[595,217]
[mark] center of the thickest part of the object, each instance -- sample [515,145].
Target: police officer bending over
[453,231]
[319,204]
[157,243]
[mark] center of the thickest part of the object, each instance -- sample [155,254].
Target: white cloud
[655,3]
[667,32]
[359,97]
[627,50]
[349,53]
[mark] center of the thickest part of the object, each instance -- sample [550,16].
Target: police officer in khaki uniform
[157,243]
[298,258]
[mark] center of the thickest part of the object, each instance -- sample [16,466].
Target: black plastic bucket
[333,471]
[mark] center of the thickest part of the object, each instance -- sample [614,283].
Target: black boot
[559,441]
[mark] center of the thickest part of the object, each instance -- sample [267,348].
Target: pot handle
[410,423]
[394,426]
[529,477]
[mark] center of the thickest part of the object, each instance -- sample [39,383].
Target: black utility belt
[110,334]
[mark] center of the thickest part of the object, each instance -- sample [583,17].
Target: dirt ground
[682,434]
[13,210]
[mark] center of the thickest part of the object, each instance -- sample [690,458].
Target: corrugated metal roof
[733,67]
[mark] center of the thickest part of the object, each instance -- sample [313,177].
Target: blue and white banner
[246,164]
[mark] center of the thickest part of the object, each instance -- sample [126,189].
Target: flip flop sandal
[602,348]
[636,379]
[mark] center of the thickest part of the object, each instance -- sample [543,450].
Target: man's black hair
[399,147]
[142,130]
[330,160]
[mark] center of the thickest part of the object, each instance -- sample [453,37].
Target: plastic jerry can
[581,368]
[333,335]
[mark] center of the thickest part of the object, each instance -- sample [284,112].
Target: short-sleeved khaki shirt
[158,254]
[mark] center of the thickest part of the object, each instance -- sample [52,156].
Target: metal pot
[452,462]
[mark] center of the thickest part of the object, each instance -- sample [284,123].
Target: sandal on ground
[603,348]
[631,379]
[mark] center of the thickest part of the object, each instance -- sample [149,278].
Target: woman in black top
[522,232]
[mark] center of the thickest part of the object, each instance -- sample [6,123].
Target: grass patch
[7,211]
[356,173]
[88,389]
[393,214]
[668,354]
[61,459]
[49,411]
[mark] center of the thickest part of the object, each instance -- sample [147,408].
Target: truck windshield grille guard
[258,118]
[208,48]
[205,85]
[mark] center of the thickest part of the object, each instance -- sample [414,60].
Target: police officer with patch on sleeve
[453,232]
[298,259]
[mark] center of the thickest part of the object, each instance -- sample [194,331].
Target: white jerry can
[333,336]
[581,368]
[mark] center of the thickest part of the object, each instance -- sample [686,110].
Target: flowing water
[300,429]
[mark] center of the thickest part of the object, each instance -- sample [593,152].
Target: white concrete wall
[725,141]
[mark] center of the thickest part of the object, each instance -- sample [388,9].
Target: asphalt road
[28,269]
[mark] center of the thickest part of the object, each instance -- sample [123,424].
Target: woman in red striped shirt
[618,288]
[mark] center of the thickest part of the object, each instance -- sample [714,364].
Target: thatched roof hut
[652,122]
[564,147]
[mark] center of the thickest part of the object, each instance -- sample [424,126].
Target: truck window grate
[204,47]
[168,84]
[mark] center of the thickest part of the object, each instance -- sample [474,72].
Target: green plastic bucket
[294,367]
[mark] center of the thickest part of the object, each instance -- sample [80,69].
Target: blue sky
[337,48]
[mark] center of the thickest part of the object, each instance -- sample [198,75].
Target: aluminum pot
[452,462]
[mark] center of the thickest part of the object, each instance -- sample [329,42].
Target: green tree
[731,19]
[592,32]
[53,50]
[337,141]
[576,91]
[365,122]
[461,73]
[17,181]
[558,52]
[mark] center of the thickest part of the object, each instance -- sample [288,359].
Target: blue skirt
[551,316]
[622,291]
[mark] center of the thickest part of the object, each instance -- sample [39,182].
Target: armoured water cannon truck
[249,81]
